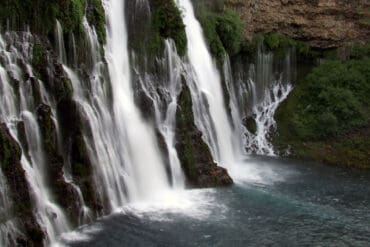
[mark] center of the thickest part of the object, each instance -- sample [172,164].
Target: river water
[274,202]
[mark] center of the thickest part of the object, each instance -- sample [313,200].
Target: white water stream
[128,167]
[20,106]
[142,158]
[204,82]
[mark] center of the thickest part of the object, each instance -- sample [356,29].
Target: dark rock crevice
[22,209]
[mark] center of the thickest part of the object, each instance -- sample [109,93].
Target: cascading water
[205,84]
[122,147]
[269,92]
[238,93]
[20,107]
[260,94]
[62,54]
[92,96]
[8,227]
[164,94]
[256,94]
[143,162]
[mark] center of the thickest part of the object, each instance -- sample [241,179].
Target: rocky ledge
[321,23]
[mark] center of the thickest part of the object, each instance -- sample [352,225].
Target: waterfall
[19,106]
[135,137]
[8,227]
[205,84]
[123,146]
[99,132]
[127,166]
[266,85]
[260,94]
[62,54]
[238,93]
[163,90]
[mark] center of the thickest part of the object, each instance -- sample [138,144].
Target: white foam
[82,234]
[252,171]
[196,204]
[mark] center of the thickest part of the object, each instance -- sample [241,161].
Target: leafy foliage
[167,23]
[333,99]
[223,31]
[40,15]
[96,16]
[327,116]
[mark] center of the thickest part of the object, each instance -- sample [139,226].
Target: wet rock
[165,153]
[71,124]
[145,105]
[10,161]
[250,124]
[195,157]
[65,195]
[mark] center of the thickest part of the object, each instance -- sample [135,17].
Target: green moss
[185,121]
[40,15]
[38,56]
[64,89]
[70,14]
[209,24]
[223,31]
[188,160]
[167,23]
[96,16]
[279,43]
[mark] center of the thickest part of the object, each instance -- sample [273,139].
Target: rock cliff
[321,23]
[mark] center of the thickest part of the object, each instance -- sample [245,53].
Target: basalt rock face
[22,210]
[195,156]
[321,23]
[65,194]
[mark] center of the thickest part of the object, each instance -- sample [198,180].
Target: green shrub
[167,23]
[359,52]
[229,27]
[333,99]
[215,45]
[279,43]
[223,31]
[40,15]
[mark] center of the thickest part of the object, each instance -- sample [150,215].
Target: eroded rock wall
[322,23]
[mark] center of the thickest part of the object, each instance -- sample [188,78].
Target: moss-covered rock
[96,16]
[223,31]
[41,15]
[195,156]
[166,22]
[64,193]
[71,123]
